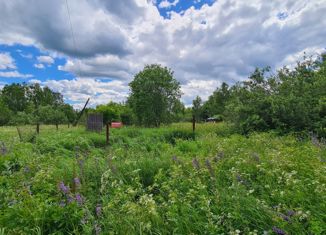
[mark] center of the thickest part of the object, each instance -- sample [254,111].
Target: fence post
[107,133]
[193,123]
[38,128]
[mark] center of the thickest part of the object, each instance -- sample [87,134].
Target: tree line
[288,100]
[22,104]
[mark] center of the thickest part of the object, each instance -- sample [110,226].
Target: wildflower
[290,213]
[241,180]
[195,163]
[70,199]
[62,204]
[77,182]
[63,188]
[79,199]
[209,167]
[176,160]
[285,217]
[98,210]
[278,231]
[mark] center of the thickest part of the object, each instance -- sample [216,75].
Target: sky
[94,48]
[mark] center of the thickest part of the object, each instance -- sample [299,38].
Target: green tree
[154,92]
[14,96]
[197,108]
[5,114]
[216,103]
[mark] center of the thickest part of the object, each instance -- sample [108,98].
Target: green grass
[160,181]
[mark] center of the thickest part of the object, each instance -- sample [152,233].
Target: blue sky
[205,42]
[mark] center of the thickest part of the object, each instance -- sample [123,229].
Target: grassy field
[160,181]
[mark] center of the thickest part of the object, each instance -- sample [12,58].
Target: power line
[73,38]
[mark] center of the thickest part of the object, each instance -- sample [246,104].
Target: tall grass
[161,181]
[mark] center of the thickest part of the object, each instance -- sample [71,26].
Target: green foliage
[197,108]
[288,101]
[215,105]
[115,112]
[154,94]
[161,181]
[28,104]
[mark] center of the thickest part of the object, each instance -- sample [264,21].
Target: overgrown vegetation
[161,181]
[288,101]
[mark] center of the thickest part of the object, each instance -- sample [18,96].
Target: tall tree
[154,92]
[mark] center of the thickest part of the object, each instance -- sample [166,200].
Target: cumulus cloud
[34,81]
[167,4]
[14,74]
[45,59]
[223,42]
[78,90]
[6,61]
[39,66]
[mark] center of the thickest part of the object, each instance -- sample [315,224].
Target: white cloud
[205,47]
[39,66]
[14,74]
[77,91]
[167,4]
[34,81]
[6,61]
[45,59]
[2,84]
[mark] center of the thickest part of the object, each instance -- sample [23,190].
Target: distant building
[212,119]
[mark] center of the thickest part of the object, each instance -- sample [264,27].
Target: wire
[73,39]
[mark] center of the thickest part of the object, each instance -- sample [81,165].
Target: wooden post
[193,123]
[38,128]
[107,134]
[19,134]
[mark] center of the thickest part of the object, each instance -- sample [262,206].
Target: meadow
[163,180]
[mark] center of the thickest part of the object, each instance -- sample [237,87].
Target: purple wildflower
[98,210]
[77,182]
[278,231]
[290,213]
[79,199]
[241,180]
[63,188]
[209,167]
[195,163]
[70,199]
[62,204]
[285,217]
